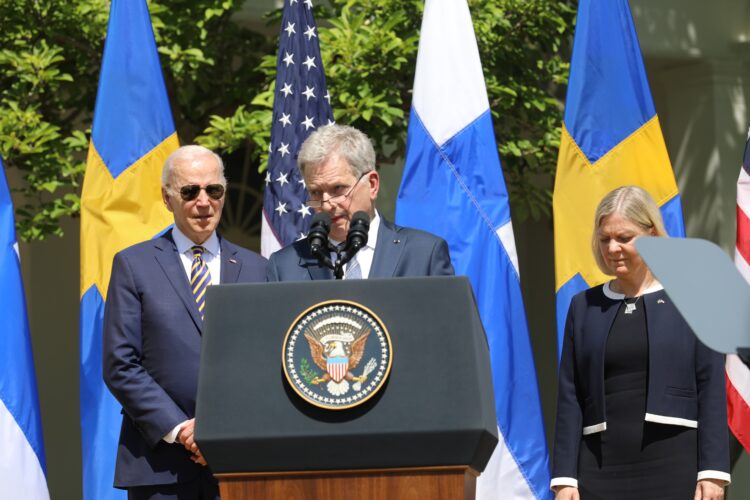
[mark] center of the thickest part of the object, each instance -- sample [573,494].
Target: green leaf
[220,74]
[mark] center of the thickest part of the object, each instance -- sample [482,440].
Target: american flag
[301,105]
[738,374]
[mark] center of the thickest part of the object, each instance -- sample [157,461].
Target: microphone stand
[343,255]
[338,266]
[324,257]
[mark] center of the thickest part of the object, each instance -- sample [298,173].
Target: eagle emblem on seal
[337,354]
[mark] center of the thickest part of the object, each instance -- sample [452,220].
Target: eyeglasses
[316,199]
[190,192]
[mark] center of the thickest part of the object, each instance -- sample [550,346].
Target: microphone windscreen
[360,218]
[321,219]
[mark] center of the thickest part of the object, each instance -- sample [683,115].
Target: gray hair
[348,142]
[636,205]
[191,152]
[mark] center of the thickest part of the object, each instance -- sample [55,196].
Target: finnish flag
[22,463]
[453,186]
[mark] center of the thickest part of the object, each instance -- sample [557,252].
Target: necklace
[630,306]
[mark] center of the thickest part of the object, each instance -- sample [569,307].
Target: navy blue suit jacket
[151,353]
[685,379]
[399,252]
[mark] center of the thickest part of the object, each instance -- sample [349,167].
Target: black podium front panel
[436,408]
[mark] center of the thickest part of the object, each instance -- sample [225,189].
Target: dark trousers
[204,487]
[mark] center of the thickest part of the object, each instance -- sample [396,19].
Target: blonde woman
[641,409]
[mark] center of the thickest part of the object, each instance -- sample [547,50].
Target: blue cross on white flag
[301,105]
[22,464]
[453,186]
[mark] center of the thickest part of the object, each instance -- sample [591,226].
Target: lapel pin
[232,261]
[660,301]
[396,241]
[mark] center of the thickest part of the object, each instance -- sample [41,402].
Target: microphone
[359,227]
[318,235]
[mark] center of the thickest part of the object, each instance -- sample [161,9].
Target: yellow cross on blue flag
[611,137]
[132,135]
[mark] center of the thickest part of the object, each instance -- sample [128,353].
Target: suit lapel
[317,272]
[230,264]
[388,250]
[169,260]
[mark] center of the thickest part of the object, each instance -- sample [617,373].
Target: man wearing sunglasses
[153,323]
[338,166]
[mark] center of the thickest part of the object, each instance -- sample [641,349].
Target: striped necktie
[353,271]
[200,278]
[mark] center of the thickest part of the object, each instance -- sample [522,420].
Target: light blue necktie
[353,271]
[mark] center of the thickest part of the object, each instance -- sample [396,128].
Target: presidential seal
[337,354]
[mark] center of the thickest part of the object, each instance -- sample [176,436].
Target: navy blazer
[151,352]
[685,380]
[399,252]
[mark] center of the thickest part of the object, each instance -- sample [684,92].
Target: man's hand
[198,459]
[709,489]
[567,493]
[186,437]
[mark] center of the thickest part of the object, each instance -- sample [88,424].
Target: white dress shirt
[365,254]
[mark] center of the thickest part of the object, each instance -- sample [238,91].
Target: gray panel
[705,286]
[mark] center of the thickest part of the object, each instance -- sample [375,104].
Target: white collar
[184,243]
[372,234]
[611,294]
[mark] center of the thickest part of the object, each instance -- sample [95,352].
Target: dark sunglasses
[191,191]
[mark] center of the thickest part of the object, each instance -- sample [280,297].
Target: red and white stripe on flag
[337,368]
[738,374]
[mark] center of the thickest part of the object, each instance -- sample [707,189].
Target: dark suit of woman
[685,382]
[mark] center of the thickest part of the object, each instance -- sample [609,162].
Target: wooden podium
[427,434]
[434,483]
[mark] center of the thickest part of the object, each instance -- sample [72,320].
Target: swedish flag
[610,138]
[121,205]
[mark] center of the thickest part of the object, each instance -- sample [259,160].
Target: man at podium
[338,165]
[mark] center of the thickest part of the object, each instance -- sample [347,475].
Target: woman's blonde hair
[636,205]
